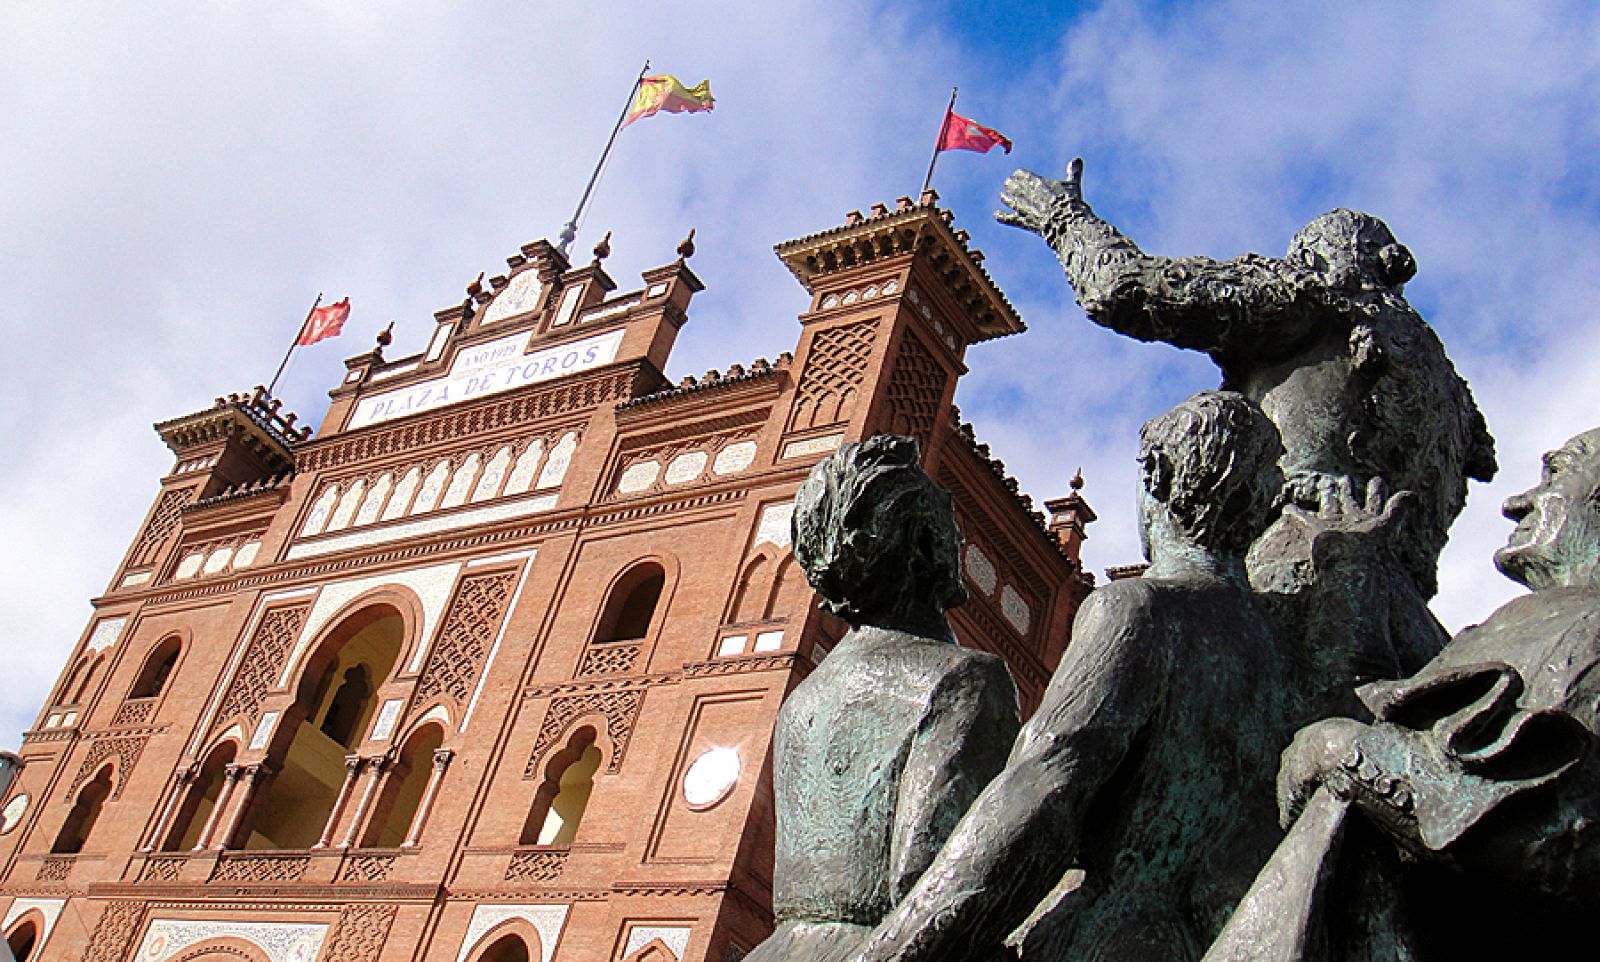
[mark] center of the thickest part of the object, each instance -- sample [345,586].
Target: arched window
[632,604]
[791,595]
[749,601]
[157,669]
[334,704]
[562,797]
[78,687]
[22,939]
[403,791]
[201,799]
[508,948]
[80,821]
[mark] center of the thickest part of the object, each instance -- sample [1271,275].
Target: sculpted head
[1211,466]
[1352,250]
[1556,543]
[875,536]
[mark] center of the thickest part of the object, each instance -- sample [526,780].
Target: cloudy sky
[180,180]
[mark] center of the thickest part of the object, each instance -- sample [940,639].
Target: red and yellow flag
[666,92]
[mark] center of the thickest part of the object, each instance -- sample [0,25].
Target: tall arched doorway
[336,700]
[201,800]
[23,939]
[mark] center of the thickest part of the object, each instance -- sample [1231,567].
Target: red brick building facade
[486,671]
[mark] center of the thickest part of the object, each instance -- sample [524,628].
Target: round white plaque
[11,815]
[711,778]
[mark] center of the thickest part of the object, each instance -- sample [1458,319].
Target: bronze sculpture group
[1266,749]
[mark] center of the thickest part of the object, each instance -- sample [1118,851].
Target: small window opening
[85,811]
[560,802]
[628,619]
[157,669]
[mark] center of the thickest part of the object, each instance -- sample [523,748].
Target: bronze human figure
[882,748]
[1357,383]
[1150,763]
[1481,768]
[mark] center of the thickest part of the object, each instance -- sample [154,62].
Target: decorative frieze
[126,749]
[360,932]
[609,659]
[541,866]
[163,868]
[619,708]
[831,380]
[278,941]
[134,711]
[163,522]
[249,867]
[465,638]
[263,661]
[114,932]
[362,447]
[367,867]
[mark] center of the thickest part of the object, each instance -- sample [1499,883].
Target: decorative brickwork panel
[163,521]
[263,661]
[620,708]
[163,868]
[536,866]
[260,868]
[916,386]
[134,711]
[367,868]
[466,636]
[113,934]
[609,660]
[125,750]
[55,868]
[832,377]
[361,931]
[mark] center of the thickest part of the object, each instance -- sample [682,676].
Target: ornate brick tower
[487,670]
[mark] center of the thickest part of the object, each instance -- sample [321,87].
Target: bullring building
[485,670]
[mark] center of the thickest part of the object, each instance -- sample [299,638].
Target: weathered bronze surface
[879,751]
[1480,768]
[1150,763]
[1293,521]
[1359,386]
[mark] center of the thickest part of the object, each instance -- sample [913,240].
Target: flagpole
[569,231]
[928,180]
[294,343]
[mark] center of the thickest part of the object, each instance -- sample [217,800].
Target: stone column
[441,761]
[352,771]
[230,777]
[379,765]
[182,785]
[254,775]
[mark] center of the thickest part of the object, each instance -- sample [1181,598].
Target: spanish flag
[666,92]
